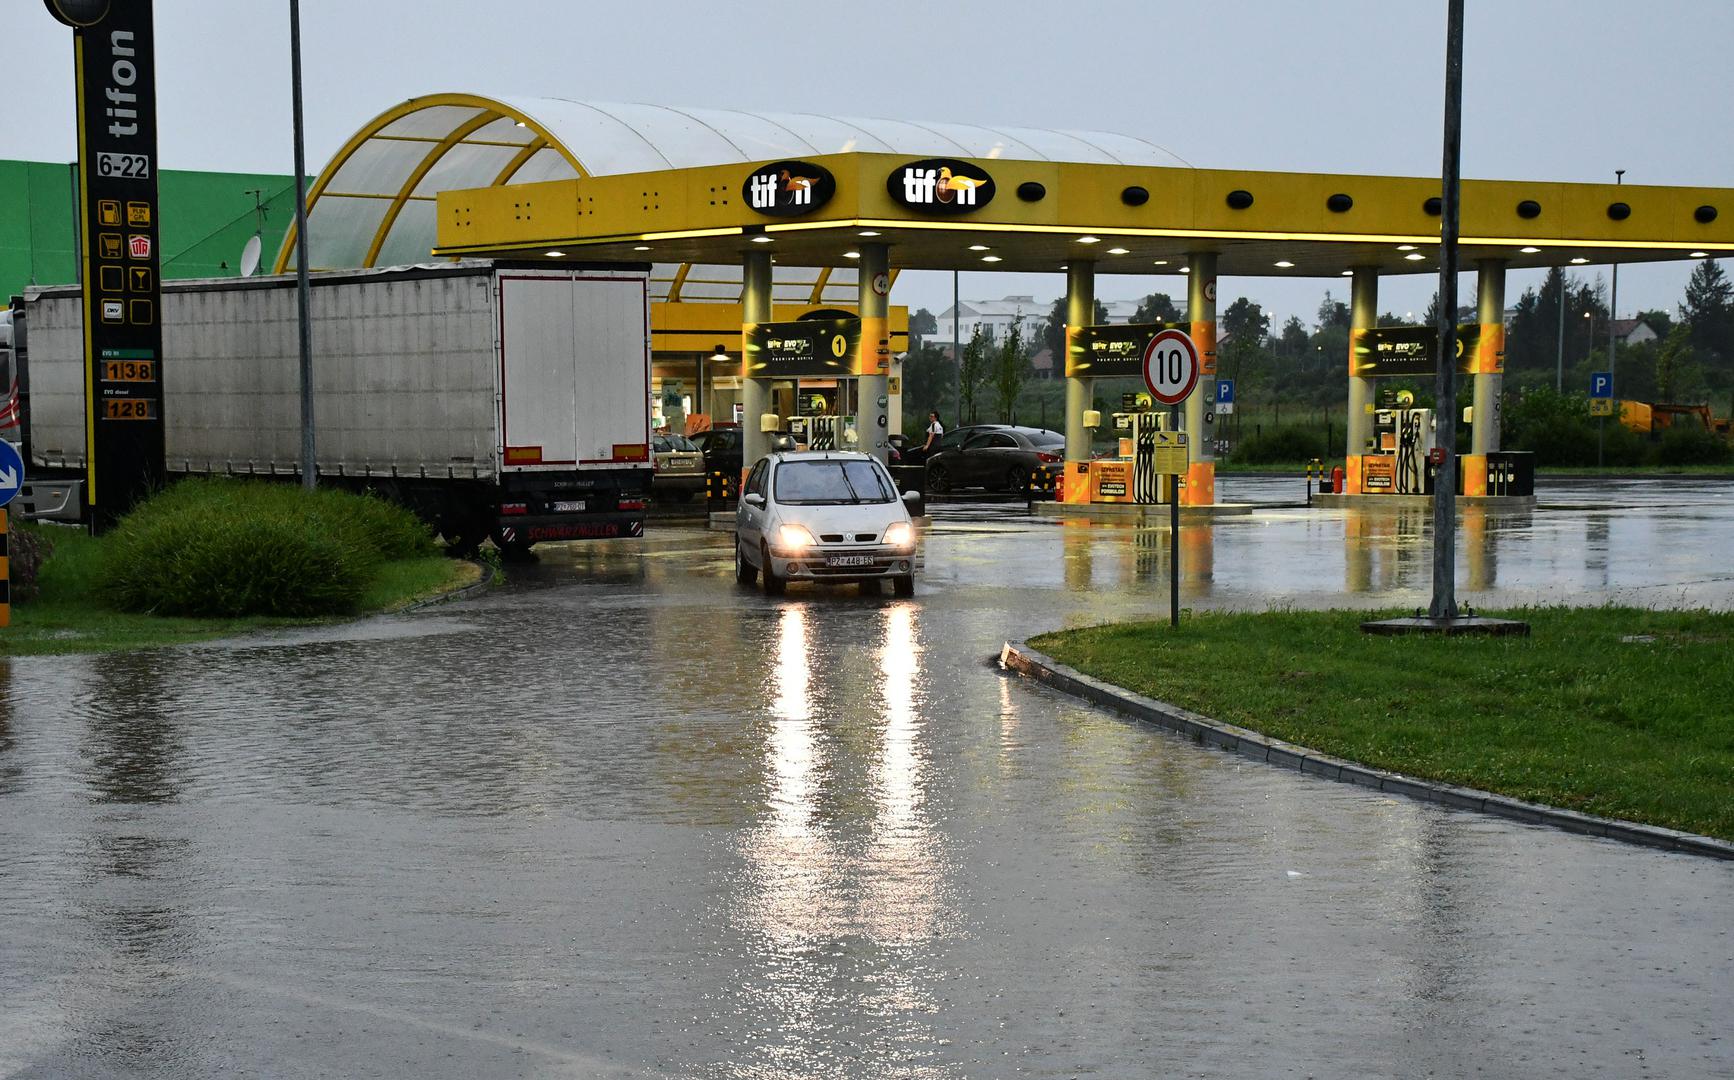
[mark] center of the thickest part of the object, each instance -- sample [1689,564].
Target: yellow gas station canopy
[1039,215]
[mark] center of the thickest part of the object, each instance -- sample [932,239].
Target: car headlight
[794,538]
[900,534]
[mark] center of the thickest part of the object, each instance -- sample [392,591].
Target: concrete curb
[1207,732]
[475,588]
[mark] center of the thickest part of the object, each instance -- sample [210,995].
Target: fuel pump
[1415,437]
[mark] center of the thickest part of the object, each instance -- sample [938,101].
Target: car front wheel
[774,584]
[744,570]
[903,585]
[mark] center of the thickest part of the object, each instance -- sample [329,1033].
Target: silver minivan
[821,515]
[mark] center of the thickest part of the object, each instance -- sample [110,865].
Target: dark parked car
[994,456]
[722,450]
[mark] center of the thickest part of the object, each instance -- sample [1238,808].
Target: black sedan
[998,457]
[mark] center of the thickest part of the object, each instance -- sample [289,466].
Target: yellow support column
[872,418]
[1487,372]
[1363,315]
[1200,487]
[1080,312]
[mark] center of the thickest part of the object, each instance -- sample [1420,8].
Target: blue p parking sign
[1225,391]
[1601,384]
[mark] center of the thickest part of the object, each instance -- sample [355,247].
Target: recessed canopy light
[1348,273]
[1405,247]
[763,239]
[866,232]
[1529,250]
[553,254]
[1063,266]
[1284,263]
[1186,269]
[520,123]
[1579,261]
[1414,256]
[1089,239]
[1117,251]
[1161,262]
[1698,254]
[851,254]
[642,247]
[990,258]
[978,247]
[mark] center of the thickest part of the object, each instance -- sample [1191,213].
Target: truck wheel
[903,585]
[938,480]
[514,550]
[744,571]
[774,585]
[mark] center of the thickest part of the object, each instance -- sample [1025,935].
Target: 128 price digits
[129,409]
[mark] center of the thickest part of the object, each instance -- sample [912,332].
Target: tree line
[1304,365]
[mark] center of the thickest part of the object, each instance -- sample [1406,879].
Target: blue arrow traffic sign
[11,472]
[1601,384]
[1225,391]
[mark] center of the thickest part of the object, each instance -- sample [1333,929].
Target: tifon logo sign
[789,188]
[940,186]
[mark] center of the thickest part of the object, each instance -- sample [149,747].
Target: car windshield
[666,444]
[812,483]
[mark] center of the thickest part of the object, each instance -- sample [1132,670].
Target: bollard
[5,569]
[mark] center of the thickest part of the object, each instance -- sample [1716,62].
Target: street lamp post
[1444,603]
[1614,292]
[303,310]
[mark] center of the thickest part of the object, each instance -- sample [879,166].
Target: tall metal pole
[1614,292]
[1559,353]
[1444,605]
[956,350]
[303,310]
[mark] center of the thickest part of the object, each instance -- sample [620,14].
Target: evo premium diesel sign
[788,188]
[940,186]
[115,56]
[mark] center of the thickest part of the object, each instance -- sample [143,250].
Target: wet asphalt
[621,817]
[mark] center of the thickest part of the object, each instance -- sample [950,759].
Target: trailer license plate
[570,506]
[849,560]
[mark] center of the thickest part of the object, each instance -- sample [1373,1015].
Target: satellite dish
[250,256]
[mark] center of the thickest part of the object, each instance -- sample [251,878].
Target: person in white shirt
[934,430]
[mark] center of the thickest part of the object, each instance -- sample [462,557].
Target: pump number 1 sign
[1171,366]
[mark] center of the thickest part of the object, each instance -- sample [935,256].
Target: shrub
[1691,444]
[29,549]
[1281,446]
[228,548]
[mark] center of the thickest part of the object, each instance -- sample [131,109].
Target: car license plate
[570,506]
[849,560]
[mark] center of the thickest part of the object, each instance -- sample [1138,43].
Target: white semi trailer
[493,401]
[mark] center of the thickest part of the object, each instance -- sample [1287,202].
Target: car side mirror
[913,498]
[754,499]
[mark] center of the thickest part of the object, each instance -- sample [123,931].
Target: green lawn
[1575,716]
[66,618]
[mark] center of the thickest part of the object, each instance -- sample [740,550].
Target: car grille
[841,538]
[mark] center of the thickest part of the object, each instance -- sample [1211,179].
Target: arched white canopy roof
[373,204]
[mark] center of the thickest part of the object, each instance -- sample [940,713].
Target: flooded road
[623,818]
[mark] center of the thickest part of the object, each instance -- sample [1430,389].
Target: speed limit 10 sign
[1171,366]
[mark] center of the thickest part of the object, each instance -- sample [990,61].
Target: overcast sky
[1554,90]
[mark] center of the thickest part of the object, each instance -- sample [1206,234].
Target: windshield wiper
[854,496]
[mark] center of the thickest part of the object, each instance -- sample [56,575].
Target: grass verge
[1620,712]
[70,617]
